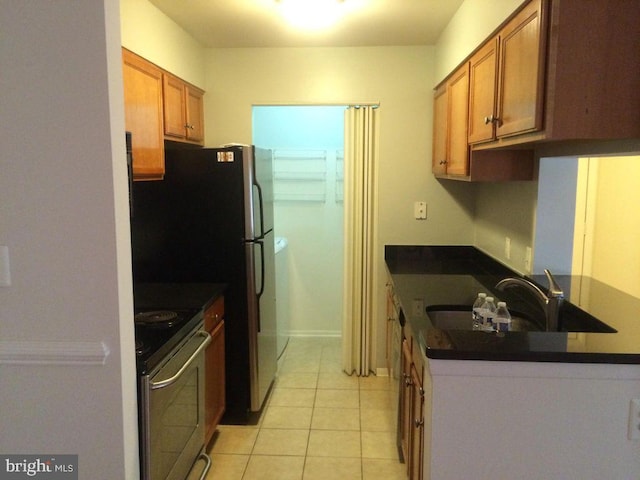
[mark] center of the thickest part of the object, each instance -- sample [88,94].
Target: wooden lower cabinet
[405,402]
[214,394]
[412,409]
[417,425]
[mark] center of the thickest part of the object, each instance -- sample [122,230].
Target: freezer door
[262,318]
[258,168]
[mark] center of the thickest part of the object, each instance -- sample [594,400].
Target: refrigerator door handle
[260,291]
[260,208]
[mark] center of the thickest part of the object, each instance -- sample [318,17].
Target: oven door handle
[171,380]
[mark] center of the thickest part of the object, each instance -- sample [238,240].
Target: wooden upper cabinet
[439,157]
[521,73]
[483,76]
[458,106]
[593,72]
[158,106]
[143,115]
[506,88]
[450,148]
[555,72]
[174,106]
[183,110]
[195,115]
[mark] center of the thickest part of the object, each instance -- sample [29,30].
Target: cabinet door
[483,81]
[215,403]
[405,403]
[174,106]
[521,68]
[195,115]
[389,333]
[439,156]
[142,83]
[417,427]
[458,147]
[214,393]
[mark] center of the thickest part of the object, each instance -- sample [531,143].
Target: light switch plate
[5,275]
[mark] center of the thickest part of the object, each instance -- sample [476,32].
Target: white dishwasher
[282,294]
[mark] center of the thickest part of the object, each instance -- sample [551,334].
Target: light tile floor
[319,423]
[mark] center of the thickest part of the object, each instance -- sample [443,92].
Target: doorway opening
[308,162]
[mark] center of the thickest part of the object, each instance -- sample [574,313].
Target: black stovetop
[158,331]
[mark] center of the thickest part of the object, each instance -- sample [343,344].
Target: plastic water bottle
[487,313]
[475,311]
[502,320]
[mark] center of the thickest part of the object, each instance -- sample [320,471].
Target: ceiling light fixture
[311,14]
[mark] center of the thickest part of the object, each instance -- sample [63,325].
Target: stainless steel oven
[171,397]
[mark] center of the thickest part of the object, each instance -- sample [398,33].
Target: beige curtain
[360,163]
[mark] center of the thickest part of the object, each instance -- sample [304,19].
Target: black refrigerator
[211,221]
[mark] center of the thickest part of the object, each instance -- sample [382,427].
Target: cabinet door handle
[490,119]
[418,423]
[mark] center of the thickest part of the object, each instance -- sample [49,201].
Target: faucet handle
[554,288]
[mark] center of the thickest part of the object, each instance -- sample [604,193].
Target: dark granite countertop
[428,276]
[176,295]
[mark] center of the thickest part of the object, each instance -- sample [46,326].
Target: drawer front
[214,314]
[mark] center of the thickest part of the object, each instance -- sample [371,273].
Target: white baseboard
[315,333]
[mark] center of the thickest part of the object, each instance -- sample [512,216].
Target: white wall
[64,218]
[555,214]
[400,79]
[473,22]
[506,210]
[616,229]
[151,34]
[313,225]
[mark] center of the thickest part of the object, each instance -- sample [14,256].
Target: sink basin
[449,318]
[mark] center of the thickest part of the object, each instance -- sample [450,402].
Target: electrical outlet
[634,419]
[507,248]
[418,307]
[420,210]
[527,259]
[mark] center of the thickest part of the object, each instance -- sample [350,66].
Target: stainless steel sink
[449,319]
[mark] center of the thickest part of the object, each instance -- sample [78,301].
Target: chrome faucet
[550,301]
